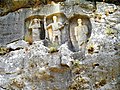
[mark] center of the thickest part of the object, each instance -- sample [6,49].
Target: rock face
[34,65]
[37,67]
[17,45]
[14,26]
[11,28]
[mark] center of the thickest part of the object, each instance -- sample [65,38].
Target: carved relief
[56,28]
[80,30]
[34,28]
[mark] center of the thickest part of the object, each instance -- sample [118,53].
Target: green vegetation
[76,63]
[110,31]
[53,49]
[90,49]
[3,50]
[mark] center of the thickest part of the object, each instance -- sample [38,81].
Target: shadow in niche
[73,24]
[28,32]
[64,31]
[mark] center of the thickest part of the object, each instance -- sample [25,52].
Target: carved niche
[57,28]
[34,28]
[73,22]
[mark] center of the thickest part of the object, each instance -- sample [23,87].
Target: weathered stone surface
[117,26]
[11,28]
[65,55]
[33,64]
[33,67]
[17,45]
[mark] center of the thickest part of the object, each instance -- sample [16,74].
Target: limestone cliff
[7,6]
[46,66]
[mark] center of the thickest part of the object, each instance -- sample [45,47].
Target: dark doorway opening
[42,31]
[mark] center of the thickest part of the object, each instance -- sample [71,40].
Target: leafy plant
[90,49]
[53,49]
[3,50]
[110,31]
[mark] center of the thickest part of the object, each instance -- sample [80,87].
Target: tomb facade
[32,24]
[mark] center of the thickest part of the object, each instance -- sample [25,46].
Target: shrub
[53,49]
[3,50]
[110,31]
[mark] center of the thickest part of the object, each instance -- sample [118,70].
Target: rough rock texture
[14,26]
[36,67]
[7,6]
[17,44]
